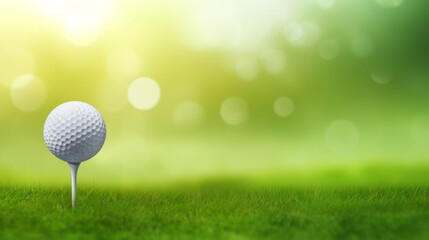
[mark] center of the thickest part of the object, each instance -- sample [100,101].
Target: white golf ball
[74,132]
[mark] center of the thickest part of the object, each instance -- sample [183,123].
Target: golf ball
[74,132]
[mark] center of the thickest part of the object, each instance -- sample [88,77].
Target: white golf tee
[73,170]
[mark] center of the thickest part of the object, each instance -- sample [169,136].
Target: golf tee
[73,170]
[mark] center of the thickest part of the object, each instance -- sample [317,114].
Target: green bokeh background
[192,49]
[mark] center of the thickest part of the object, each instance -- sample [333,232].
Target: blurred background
[275,91]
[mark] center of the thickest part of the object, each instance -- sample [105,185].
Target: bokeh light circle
[274,61]
[14,61]
[342,137]
[28,93]
[301,34]
[144,93]
[188,114]
[329,49]
[82,28]
[381,75]
[293,32]
[283,106]
[234,111]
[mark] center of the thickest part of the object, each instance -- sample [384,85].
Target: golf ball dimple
[74,132]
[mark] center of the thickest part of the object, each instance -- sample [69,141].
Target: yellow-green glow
[28,93]
[207,89]
[234,111]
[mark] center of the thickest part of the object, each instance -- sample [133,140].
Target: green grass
[216,213]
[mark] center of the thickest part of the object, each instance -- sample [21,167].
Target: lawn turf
[216,213]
